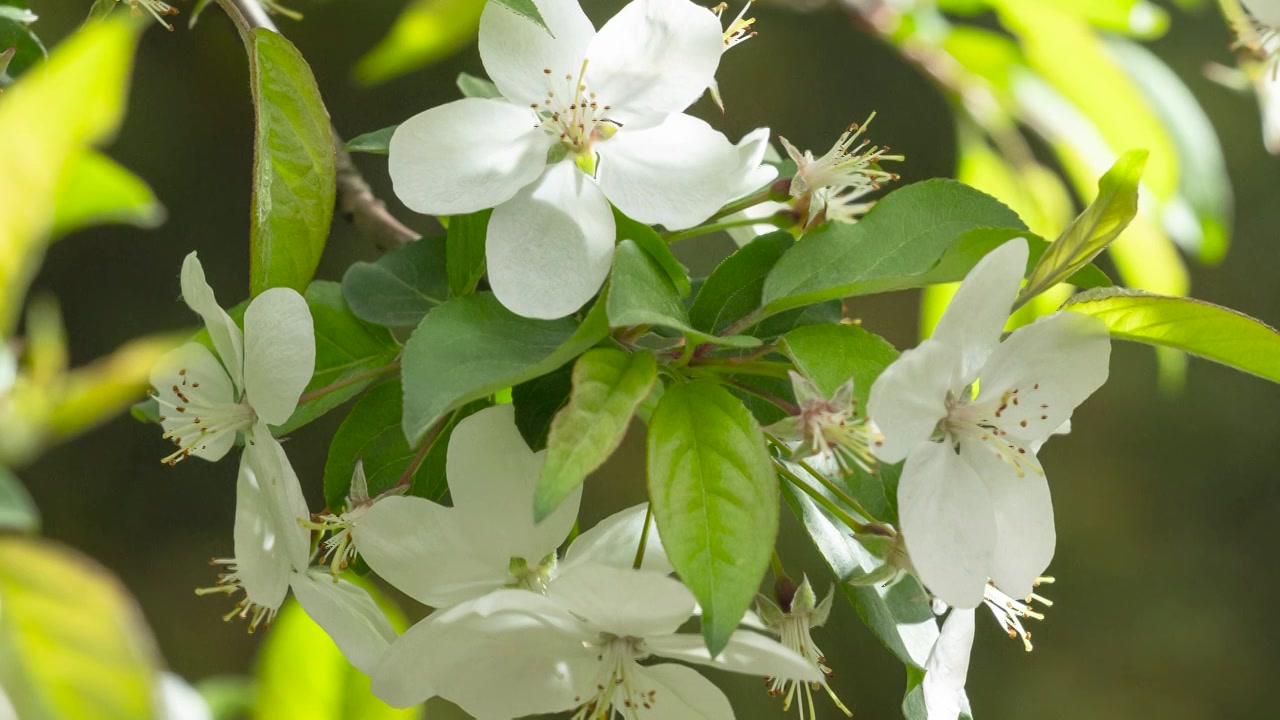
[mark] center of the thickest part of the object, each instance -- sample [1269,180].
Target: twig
[356,201]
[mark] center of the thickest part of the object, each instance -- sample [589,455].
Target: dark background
[1166,506]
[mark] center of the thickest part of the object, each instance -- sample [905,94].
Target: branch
[356,201]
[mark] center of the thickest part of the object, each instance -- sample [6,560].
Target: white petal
[492,475]
[1025,535]
[753,172]
[222,329]
[279,353]
[614,540]
[767,209]
[511,659]
[422,549]
[1266,11]
[283,494]
[177,700]
[263,562]
[976,317]
[677,173]
[515,51]
[682,693]
[948,667]
[194,364]
[466,156]
[1054,364]
[624,602]
[654,56]
[348,614]
[550,247]
[909,397]
[947,523]
[1268,89]
[746,652]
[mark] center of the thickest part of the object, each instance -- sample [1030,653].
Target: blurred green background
[1166,506]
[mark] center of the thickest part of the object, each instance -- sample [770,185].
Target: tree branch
[356,201]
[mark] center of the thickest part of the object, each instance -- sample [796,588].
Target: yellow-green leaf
[427,31]
[96,191]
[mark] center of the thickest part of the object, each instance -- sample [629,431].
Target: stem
[745,322]
[837,491]
[644,537]
[672,237]
[743,204]
[804,487]
[356,201]
[727,366]
[790,408]
[345,382]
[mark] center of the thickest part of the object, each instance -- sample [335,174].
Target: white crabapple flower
[792,618]
[827,428]
[1264,38]
[585,119]
[967,412]
[829,187]
[577,649]
[442,556]
[255,379]
[339,548]
[159,10]
[738,31]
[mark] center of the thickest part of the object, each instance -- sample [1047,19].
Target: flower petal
[976,317]
[266,549]
[283,495]
[682,693]
[222,329]
[1266,11]
[624,602]
[948,667]
[550,247]
[279,353]
[492,475]
[515,51]
[424,551]
[654,56]
[185,367]
[947,523]
[909,397]
[676,173]
[1054,364]
[753,172]
[1025,534]
[506,655]
[348,614]
[466,156]
[1267,88]
[746,652]
[614,540]
[176,698]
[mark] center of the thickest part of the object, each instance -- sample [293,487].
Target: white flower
[255,379]
[585,119]
[579,647]
[736,32]
[340,549]
[827,428]
[347,613]
[159,10]
[1264,38]
[792,619]
[966,411]
[175,700]
[828,188]
[442,556]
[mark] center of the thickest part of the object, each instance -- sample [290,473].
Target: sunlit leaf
[427,31]
[97,191]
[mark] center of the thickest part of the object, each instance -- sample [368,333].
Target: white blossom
[966,411]
[829,429]
[585,119]
[829,187]
[254,380]
[792,619]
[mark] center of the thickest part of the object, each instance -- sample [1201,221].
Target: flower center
[852,165]
[739,30]
[572,114]
[228,584]
[839,434]
[620,688]
[795,633]
[1002,423]
[534,578]
[157,9]
[340,547]
[1010,612]
[191,418]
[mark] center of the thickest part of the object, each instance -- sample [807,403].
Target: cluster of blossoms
[1262,36]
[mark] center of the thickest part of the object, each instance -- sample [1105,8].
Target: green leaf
[17,510]
[715,497]
[972,246]
[302,675]
[1211,331]
[899,615]
[642,294]
[97,191]
[377,142]
[350,355]
[903,236]
[47,120]
[72,642]
[652,243]
[294,167]
[426,32]
[733,290]
[371,434]
[466,251]
[830,355]
[400,287]
[608,386]
[1093,230]
[477,87]
[526,9]
[471,347]
[537,403]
